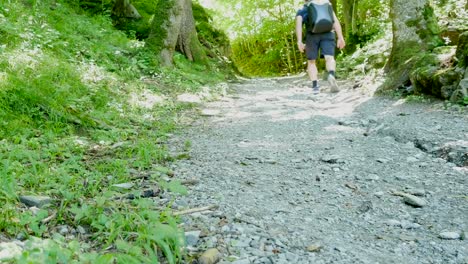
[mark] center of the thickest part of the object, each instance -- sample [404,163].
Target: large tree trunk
[349,11]
[173,28]
[415,31]
[188,42]
[123,9]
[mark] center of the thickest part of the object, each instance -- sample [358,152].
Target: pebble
[81,230]
[450,235]
[124,186]
[63,230]
[409,225]
[314,248]
[192,237]
[9,250]
[414,201]
[37,201]
[379,194]
[211,256]
[372,177]
[393,222]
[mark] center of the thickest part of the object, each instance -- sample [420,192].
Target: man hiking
[321,25]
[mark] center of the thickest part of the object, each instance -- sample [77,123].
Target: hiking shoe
[316,90]
[333,85]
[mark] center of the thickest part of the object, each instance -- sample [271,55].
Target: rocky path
[332,178]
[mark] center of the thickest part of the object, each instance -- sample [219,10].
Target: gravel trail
[331,178]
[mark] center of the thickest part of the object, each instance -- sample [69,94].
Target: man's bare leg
[331,66]
[313,75]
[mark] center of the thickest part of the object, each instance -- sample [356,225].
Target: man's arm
[339,32]
[300,44]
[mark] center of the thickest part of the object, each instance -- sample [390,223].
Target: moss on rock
[462,50]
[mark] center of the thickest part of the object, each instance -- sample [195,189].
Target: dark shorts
[324,41]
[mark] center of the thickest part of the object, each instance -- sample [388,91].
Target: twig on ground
[195,210]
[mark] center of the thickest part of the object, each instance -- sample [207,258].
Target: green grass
[68,131]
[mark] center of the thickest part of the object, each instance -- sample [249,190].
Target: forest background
[91,91]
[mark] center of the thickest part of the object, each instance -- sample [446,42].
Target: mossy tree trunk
[188,42]
[349,10]
[415,32]
[173,28]
[124,9]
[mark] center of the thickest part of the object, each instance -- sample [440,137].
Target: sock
[332,73]
[314,84]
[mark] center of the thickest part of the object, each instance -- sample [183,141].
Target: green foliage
[69,130]
[139,28]
[369,20]
[212,38]
[266,55]
[263,31]
[95,7]
[264,40]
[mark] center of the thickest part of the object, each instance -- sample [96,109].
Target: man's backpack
[320,17]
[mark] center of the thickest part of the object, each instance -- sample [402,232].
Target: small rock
[364,207]
[21,236]
[409,225]
[34,210]
[372,177]
[416,192]
[63,230]
[393,222]
[414,201]
[37,201]
[210,112]
[412,160]
[314,248]
[379,194]
[192,237]
[450,235]
[9,251]
[330,159]
[81,230]
[125,186]
[211,256]
[408,238]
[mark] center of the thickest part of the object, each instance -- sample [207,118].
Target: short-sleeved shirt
[303,13]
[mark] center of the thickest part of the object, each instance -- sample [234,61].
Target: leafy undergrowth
[78,126]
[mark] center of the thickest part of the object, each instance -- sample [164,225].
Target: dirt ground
[328,178]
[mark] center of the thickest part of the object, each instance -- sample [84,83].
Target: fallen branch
[196,210]
[48,219]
